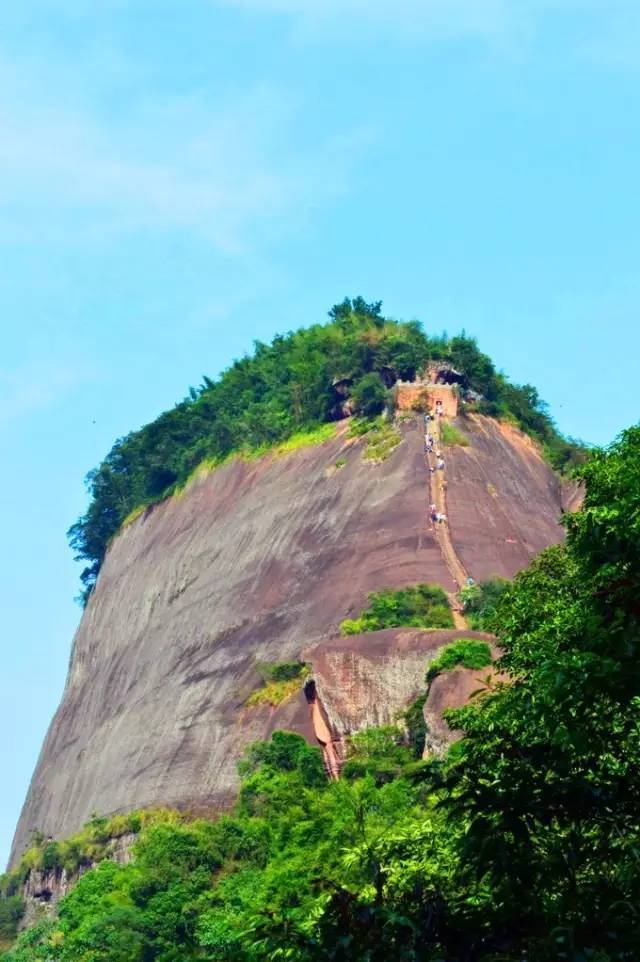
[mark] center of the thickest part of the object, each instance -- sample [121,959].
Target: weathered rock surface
[453,689]
[366,680]
[503,501]
[256,562]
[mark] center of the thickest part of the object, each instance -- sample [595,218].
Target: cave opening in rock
[449,375]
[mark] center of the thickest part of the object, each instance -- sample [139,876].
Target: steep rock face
[503,502]
[256,562]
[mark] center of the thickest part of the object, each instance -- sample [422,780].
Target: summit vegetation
[521,843]
[289,386]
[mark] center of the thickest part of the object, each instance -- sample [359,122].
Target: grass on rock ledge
[450,436]
[418,606]
[381,437]
[280,682]
[463,653]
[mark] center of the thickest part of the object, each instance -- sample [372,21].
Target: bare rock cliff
[260,561]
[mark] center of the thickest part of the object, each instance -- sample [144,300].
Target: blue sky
[179,177]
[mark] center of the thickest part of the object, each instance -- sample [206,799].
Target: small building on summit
[425,395]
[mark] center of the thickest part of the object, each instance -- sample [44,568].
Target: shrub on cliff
[480,602]
[462,653]
[94,842]
[369,396]
[418,606]
[450,436]
[280,682]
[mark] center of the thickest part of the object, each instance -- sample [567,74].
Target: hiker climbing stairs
[437,496]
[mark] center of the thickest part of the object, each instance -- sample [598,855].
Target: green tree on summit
[357,310]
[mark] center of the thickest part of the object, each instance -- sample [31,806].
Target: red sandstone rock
[453,689]
[365,680]
[499,492]
[258,562]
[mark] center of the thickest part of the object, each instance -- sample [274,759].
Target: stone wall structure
[411,395]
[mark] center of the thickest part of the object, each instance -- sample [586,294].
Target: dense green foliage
[265,883]
[521,843]
[377,753]
[11,911]
[284,388]
[462,653]
[416,726]
[480,601]
[418,606]
[554,831]
[369,396]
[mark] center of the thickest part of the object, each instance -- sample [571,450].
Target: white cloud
[172,164]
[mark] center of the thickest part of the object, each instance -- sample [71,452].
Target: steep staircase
[438,496]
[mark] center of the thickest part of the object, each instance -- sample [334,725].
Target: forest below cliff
[286,387]
[521,843]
